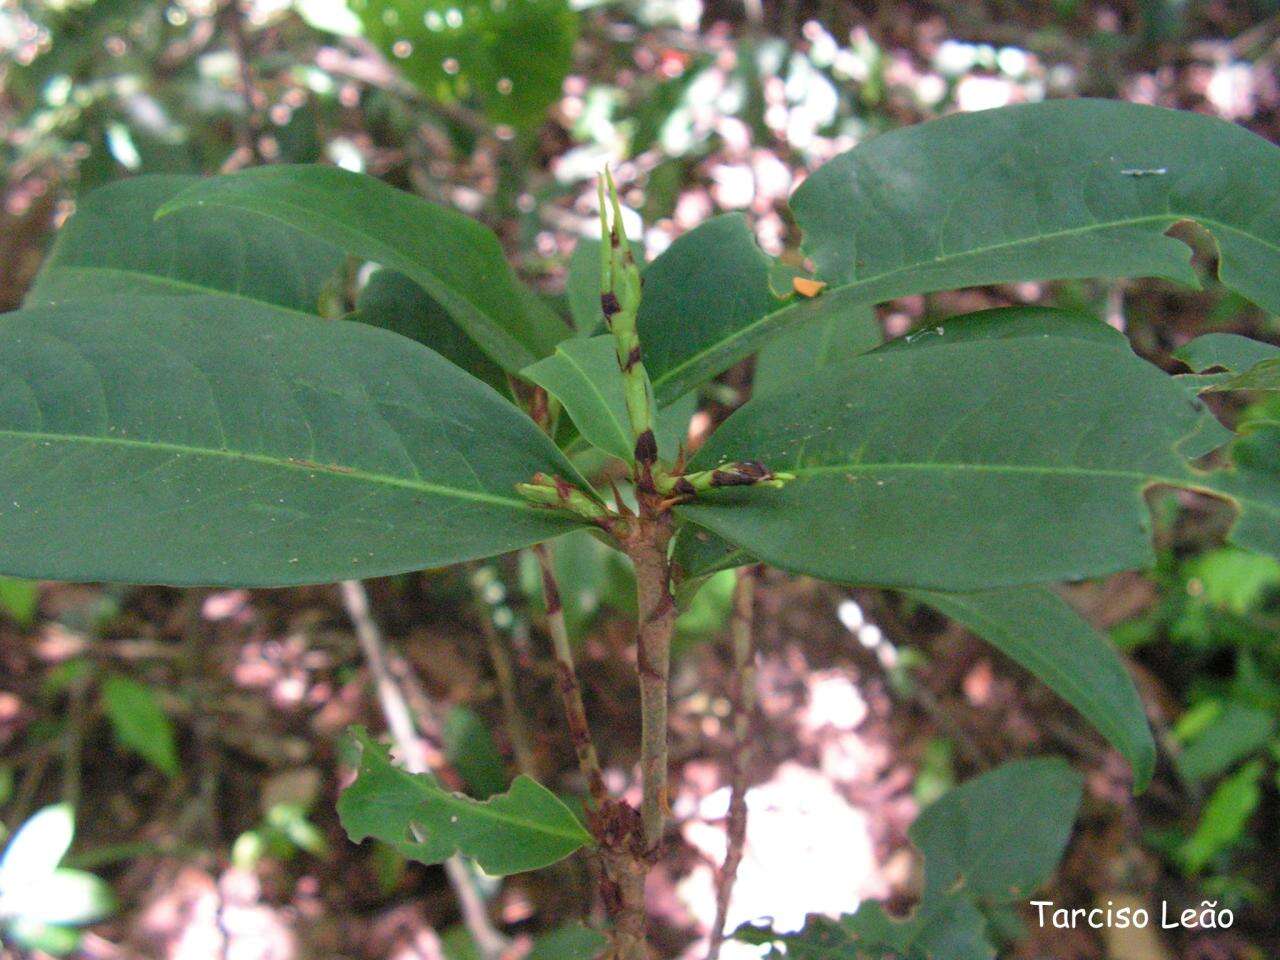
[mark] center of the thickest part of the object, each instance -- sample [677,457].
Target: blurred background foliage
[194,732]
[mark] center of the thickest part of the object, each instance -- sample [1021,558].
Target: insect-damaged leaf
[523,829]
[1064,188]
[985,463]
[970,857]
[455,259]
[212,440]
[1248,364]
[113,245]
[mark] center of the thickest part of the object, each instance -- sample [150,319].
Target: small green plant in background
[176,410]
[41,902]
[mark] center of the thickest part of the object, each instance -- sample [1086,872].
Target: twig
[395,708]
[656,622]
[567,681]
[232,16]
[504,675]
[743,694]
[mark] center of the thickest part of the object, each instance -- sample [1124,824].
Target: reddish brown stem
[742,689]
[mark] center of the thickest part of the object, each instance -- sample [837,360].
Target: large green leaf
[210,440]
[114,245]
[1065,188]
[523,829]
[511,57]
[982,464]
[1036,628]
[999,859]
[455,259]
[988,842]
[785,362]
[708,284]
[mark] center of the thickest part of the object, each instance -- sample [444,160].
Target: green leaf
[1052,190]
[707,284]
[784,362]
[1063,188]
[1037,629]
[1253,480]
[394,302]
[977,465]
[951,927]
[511,57]
[1256,364]
[139,722]
[114,245]
[1235,580]
[999,858]
[573,941]
[583,375]
[1225,818]
[37,847]
[523,829]
[1012,323]
[455,259]
[206,440]
[19,599]
[469,748]
[1238,731]
[1225,351]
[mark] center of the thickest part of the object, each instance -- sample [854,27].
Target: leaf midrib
[335,470]
[850,288]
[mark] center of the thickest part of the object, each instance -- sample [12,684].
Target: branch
[567,682]
[399,717]
[232,16]
[743,694]
[656,623]
[504,675]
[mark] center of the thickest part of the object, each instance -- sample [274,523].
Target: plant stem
[233,20]
[504,675]
[743,694]
[567,682]
[395,708]
[655,625]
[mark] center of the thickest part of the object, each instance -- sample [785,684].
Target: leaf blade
[525,828]
[1038,629]
[113,245]
[280,451]
[1051,190]
[898,448]
[454,258]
